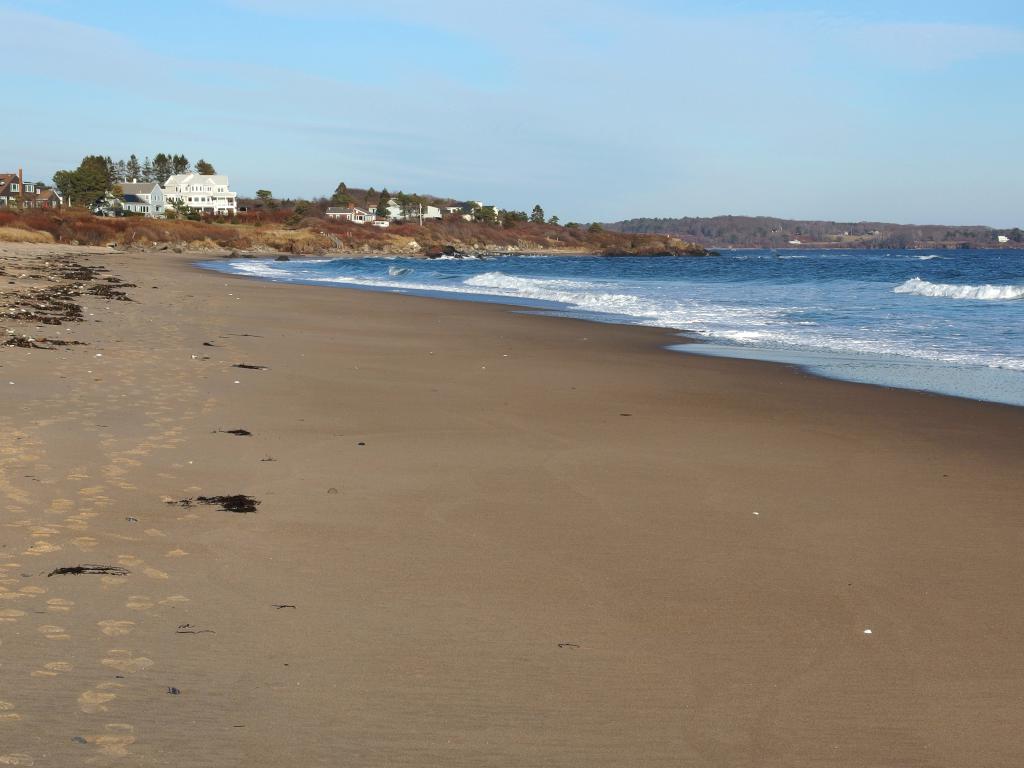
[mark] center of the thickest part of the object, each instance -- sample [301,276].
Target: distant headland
[770,232]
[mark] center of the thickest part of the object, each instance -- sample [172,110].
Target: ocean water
[950,322]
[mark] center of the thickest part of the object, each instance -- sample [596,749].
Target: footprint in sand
[41,548]
[138,603]
[53,632]
[130,561]
[176,553]
[155,573]
[96,700]
[11,614]
[59,605]
[17,759]
[125,661]
[7,713]
[115,742]
[52,669]
[85,543]
[116,627]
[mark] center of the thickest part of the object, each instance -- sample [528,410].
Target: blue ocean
[949,322]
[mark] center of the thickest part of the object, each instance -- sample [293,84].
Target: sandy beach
[480,538]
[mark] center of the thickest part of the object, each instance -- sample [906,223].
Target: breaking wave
[919,287]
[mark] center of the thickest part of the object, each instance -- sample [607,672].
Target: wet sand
[483,538]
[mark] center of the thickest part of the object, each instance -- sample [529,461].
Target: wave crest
[919,287]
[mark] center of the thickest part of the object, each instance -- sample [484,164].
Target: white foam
[676,305]
[527,286]
[919,287]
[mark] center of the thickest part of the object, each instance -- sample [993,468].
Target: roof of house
[180,179]
[132,199]
[139,188]
[351,209]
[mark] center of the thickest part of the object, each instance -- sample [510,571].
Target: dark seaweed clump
[238,503]
[78,570]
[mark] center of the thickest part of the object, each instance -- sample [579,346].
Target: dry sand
[485,539]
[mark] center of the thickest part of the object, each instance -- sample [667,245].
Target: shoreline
[824,363]
[484,537]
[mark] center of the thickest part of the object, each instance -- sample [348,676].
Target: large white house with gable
[207,194]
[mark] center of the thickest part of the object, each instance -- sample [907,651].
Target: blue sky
[599,110]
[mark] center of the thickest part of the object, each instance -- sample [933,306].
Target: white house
[395,212]
[146,198]
[1002,239]
[207,194]
[353,214]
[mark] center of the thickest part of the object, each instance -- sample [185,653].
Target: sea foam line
[919,287]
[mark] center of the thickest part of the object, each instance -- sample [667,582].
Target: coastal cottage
[206,194]
[15,192]
[48,198]
[145,198]
[351,213]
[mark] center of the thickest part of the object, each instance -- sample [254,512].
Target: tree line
[409,205]
[97,174]
[766,231]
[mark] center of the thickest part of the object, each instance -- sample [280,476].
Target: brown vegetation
[18,235]
[278,231]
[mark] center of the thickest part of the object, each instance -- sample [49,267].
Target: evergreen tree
[180,164]
[205,169]
[298,213]
[537,217]
[370,194]
[133,170]
[266,197]
[341,195]
[382,203]
[86,184]
[553,220]
[121,171]
[148,171]
[486,214]
[162,168]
